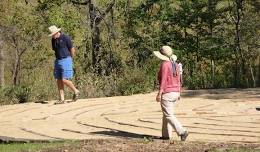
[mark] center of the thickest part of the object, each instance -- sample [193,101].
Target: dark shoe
[257,108]
[184,136]
[75,97]
[60,102]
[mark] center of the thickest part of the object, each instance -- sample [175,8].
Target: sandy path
[209,115]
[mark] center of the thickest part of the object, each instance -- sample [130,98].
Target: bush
[2,96]
[192,82]
[15,94]
[134,81]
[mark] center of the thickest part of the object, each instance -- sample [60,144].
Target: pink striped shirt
[168,82]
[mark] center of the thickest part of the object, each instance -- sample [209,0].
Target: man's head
[55,32]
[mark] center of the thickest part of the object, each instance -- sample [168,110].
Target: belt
[60,58]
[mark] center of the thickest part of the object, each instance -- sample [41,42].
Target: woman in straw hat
[169,92]
[63,71]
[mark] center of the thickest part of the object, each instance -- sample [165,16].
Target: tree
[4,5]
[238,51]
[250,41]
[2,63]
[21,38]
[96,15]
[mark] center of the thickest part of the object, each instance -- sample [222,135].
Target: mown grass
[33,147]
[125,145]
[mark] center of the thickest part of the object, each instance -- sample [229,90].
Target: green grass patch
[33,147]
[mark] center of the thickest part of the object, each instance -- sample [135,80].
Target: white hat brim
[55,32]
[163,57]
[160,56]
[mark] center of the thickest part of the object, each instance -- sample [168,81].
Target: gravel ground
[151,145]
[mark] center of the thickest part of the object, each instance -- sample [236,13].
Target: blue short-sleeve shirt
[62,46]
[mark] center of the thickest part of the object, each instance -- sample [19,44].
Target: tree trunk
[17,63]
[14,71]
[239,56]
[212,72]
[95,36]
[16,67]
[2,62]
[236,74]
[96,53]
[127,14]
[127,8]
[211,8]
[96,16]
[258,71]
[252,74]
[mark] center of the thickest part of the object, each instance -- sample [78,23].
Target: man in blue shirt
[63,71]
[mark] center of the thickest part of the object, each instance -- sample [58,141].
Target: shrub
[134,81]
[15,94]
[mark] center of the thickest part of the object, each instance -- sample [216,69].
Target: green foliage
[201,33]
[147,140]
[94,86]
[34,147]
[134,81]
[15,94]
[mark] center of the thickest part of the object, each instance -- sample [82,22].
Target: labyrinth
[226,115]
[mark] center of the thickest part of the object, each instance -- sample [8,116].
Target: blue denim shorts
[63,68]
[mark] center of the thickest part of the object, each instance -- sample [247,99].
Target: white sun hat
[165,54]
[53,29]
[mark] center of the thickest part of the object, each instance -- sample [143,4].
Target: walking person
[63,71]
[169,78]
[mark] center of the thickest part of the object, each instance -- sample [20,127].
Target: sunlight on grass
[32,147]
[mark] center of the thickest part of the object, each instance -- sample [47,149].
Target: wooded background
[217,41]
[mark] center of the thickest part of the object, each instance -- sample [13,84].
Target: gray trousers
[169,121]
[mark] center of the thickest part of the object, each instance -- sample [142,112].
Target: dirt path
[209,115]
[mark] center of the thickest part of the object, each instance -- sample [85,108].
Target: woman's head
[165,54]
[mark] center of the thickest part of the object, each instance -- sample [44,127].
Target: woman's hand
[158,97]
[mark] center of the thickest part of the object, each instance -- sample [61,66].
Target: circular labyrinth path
[209,115]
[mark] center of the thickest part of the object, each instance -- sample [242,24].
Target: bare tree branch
[103,14]
[110,6]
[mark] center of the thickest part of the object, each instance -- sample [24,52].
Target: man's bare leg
[61,89]
[73,88]
[69,84]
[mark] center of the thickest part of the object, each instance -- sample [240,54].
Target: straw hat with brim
[165,54]
[53,29]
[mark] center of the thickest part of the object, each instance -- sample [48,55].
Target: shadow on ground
[123,134]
